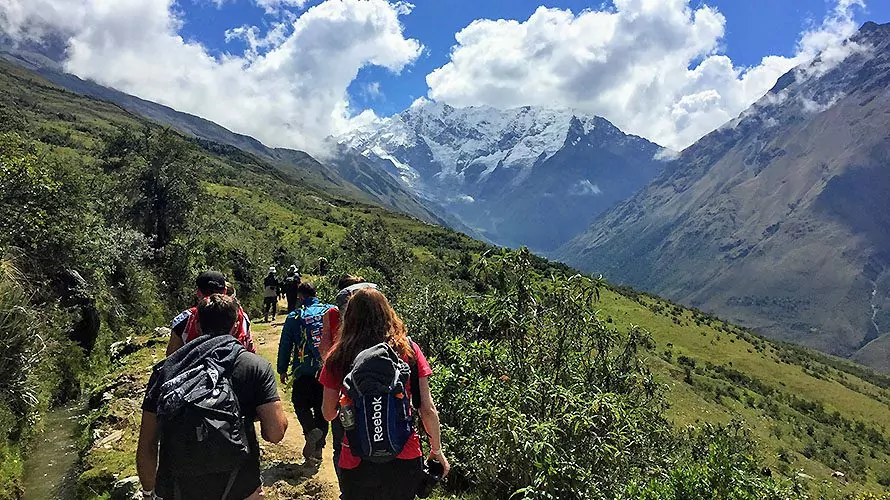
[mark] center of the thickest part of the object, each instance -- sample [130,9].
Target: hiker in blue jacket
[298,349]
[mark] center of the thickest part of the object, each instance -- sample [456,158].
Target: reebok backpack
[383,419]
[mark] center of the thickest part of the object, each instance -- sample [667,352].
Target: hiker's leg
[317,397]
[266,307]
[301,398]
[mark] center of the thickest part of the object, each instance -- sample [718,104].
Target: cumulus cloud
[653,67]
[288,88]
[274,6]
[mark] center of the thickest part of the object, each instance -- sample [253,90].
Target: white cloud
[274,6]
[585,188]
[653,67]
[372,90]
[289,88]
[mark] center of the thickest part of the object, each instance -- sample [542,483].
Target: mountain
[343,173]
[780,219]
[525,176]
[808,413]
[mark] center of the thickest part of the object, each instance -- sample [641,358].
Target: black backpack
[201,424]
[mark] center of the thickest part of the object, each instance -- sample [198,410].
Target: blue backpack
[308,356]
[381,404]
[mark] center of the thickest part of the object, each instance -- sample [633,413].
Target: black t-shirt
[253,380]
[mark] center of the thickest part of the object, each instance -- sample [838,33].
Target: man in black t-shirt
[254,384]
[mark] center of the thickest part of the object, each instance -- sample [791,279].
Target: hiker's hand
[440,457]
[283,377]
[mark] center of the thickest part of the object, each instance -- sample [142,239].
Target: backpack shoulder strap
[414,380]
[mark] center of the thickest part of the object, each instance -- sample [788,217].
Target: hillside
[80,190]
[343,173]
[527,176]
[777,220]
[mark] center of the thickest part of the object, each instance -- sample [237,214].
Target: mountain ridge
[776,219]
[495,168]
[352,182]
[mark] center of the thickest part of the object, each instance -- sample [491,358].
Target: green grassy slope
[810,413]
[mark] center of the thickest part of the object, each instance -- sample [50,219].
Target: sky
[293,72]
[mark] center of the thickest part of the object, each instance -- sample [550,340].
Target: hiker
[270,295]
[298,349]
[347,285]
[291,283]
[373,347]
[185,327]
[199,406]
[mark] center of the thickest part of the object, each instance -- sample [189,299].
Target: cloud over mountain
[289,88]
[652,67]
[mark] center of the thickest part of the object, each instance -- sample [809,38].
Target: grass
[786,434]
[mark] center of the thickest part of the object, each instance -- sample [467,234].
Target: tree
[159,170]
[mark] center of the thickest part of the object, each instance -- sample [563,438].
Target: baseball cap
[211,282]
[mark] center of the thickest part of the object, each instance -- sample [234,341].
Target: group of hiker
[352,366]
[275,288]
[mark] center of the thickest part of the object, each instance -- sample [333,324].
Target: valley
[758,246]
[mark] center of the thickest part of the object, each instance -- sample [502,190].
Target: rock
[162,331]
[838,474]
[110,438]
[126,489]
[121,348]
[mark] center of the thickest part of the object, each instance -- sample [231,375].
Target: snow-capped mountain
[525,176]
[780,219]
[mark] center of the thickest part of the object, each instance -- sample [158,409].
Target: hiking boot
[313,437]
[318,450]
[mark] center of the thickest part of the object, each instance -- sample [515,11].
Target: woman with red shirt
[368,321]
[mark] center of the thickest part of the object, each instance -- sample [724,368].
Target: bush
[538,398]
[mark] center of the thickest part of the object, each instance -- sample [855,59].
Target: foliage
[545,389]
[714,462]
[539,399]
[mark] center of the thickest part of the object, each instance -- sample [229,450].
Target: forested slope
[549,383]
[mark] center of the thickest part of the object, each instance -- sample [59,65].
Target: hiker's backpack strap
[414,380]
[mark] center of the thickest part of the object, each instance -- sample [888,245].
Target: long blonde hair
[368,321]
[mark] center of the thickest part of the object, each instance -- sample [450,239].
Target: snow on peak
[481,137]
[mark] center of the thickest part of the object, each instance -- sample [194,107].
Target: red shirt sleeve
[329,333]
[423,366]
[330,379]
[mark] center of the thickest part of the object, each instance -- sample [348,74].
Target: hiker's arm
[430,418]
[273,422]
[286,347]
[147,451]
[329,404]
[173,344]
[326,337]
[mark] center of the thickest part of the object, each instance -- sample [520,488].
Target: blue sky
[754,29]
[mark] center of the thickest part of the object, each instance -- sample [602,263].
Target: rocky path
[287,475]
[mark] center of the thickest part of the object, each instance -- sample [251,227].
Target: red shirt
[332,380]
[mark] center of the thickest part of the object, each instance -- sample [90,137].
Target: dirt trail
[286,475]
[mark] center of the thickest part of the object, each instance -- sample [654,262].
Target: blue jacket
[300,338]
